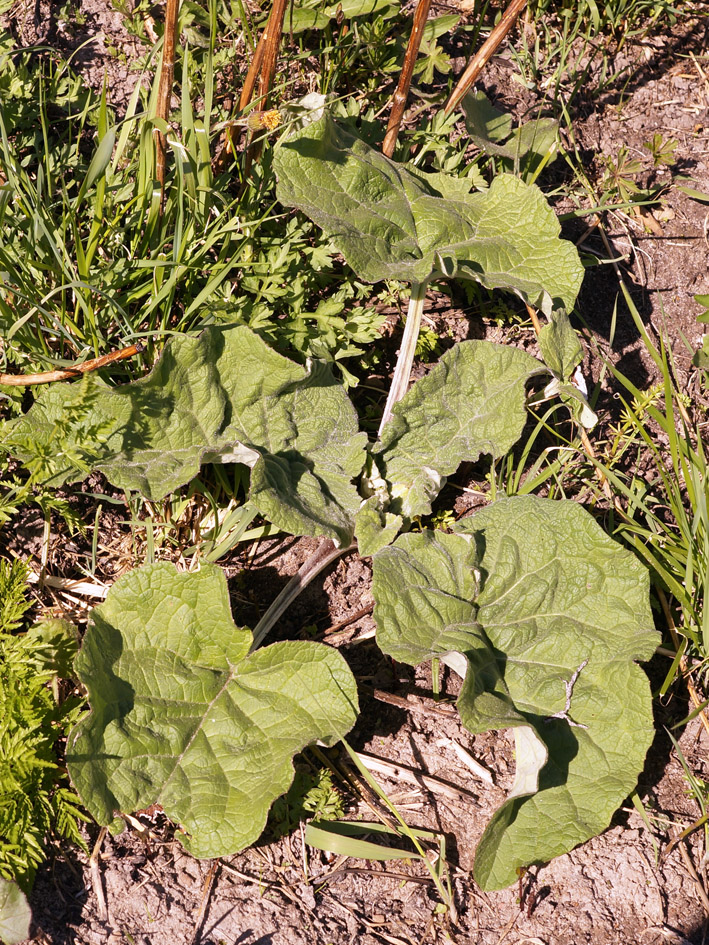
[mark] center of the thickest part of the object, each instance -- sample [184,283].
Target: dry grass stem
[401,772]
[683,663]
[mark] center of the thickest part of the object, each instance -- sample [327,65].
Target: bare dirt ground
[614,889]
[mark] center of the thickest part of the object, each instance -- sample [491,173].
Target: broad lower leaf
[390,223]
[15,913]
[550,629]
[471,403]
[222,397]
[182,715]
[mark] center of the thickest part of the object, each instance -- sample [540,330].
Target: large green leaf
[550,615]
[222,397]
[390,223]
[472,402]
[15,913]
[183,716]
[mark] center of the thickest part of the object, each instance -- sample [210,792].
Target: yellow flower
[264,121]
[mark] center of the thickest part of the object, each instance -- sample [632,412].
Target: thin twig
[401,772]
[206,894]
[697,881]
[96,880]
[353,618]
[401,95]
[687,832]
[167,78]
[66,374]
[362,871]
[486,51]
[421,708]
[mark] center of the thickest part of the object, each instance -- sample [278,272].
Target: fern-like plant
[36,802]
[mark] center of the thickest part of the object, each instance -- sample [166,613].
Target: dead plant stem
[264,68]
[66,374]
[484,54]
[401,94]
[167,78]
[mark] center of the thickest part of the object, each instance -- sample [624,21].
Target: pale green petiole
[405,360]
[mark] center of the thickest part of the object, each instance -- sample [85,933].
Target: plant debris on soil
[620,887]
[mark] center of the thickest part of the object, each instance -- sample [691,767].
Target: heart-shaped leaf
[550,614]
[183,716]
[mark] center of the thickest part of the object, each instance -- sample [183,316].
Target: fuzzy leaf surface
[15,913]
[559,610]
[471,403]
[560,345]
[182,715]
[390,223]
[224,396]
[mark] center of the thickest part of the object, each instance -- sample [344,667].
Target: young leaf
[550,638]
[488,128]
[390,223]
[222,397]
[184,717]
[560,345]
[375,528]
[472,402]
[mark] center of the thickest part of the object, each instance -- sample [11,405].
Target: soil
[618,888]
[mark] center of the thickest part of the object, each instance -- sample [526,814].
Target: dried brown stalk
[485,53]
[263,66]
[167,78]
[66,374]
[229,143]
[536,324]
[407,70]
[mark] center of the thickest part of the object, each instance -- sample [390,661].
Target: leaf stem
[324,555]
[402,372]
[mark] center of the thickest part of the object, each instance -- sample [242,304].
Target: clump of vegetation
[240,274]
[37,805]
